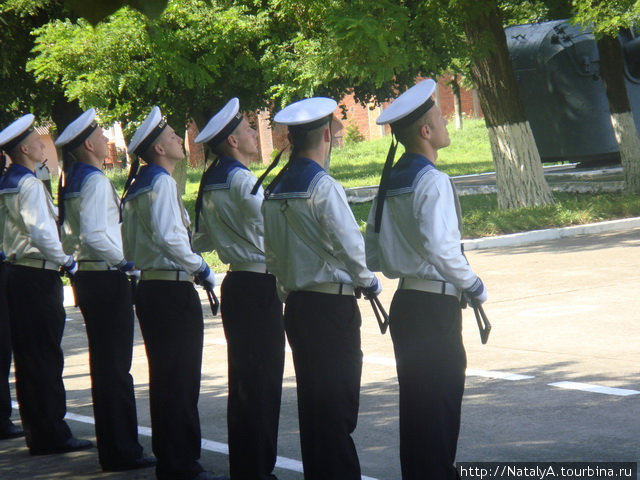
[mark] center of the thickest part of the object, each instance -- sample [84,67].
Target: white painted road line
[209,445]
[587,387]
[496,374]
[471,372]
[390,362]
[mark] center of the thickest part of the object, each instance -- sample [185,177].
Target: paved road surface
[558,381]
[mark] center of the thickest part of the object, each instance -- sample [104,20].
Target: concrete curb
[524,238]
[367,194]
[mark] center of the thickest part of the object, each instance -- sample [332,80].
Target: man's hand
[70,267]
[477,294]
[129,269]
[374,289]
[206,279]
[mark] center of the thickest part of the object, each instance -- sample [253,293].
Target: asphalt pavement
[558,380]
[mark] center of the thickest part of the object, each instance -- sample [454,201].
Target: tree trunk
[180,175]
[63,112]
[624,128]
[457,101]
[519,176]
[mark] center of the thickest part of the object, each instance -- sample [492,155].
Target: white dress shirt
[420,229]
[231,220]
[155,225]
[92,216]
[29,218]
[319,205]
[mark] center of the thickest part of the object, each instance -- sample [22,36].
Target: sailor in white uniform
[34,292]
[413,234]
[229,221]
[156,237]
[315,249]
[7,428]
[89,214]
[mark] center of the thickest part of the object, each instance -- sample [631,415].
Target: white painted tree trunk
[626,134]
[519,177]
[180,175]
[458,115]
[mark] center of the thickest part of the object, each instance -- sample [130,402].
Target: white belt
[172,275]
[331,288]
[248,267]
[431,286]
[94,266]
[36,263]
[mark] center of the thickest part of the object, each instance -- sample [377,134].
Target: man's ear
[326,136]
[232,141]
[158,149]
[88,144]
[425,131]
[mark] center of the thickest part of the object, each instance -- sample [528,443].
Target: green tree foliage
[20,93]
[96,10]
[607,17]
[381,46]
[368,48]
[188,61]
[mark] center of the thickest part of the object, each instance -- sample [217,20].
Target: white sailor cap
[221,124]
[409,106]
[16,132]
[147,133]
[77,131]
[307,114]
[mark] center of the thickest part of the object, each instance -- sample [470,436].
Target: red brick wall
[364,118]
[446,99]
[193,149]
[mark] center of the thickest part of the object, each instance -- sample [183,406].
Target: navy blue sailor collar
[144,180]
[219,177]
[299,180]
[406,173]
[12,177]
[79,173]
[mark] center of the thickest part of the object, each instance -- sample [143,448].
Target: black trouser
[37,317]
[426,330]
[171,321]
[5,353]
[252,320]
[324,334]
[105,301]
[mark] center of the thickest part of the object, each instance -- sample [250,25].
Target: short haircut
[222,147]
[307,139]
[15,151]
[148,155]
[406,135]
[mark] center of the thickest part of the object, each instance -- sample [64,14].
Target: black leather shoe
[71,445]
[142,462]
[11,431]
[210,476]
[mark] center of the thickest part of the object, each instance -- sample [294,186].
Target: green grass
[360,164]
[481,217]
